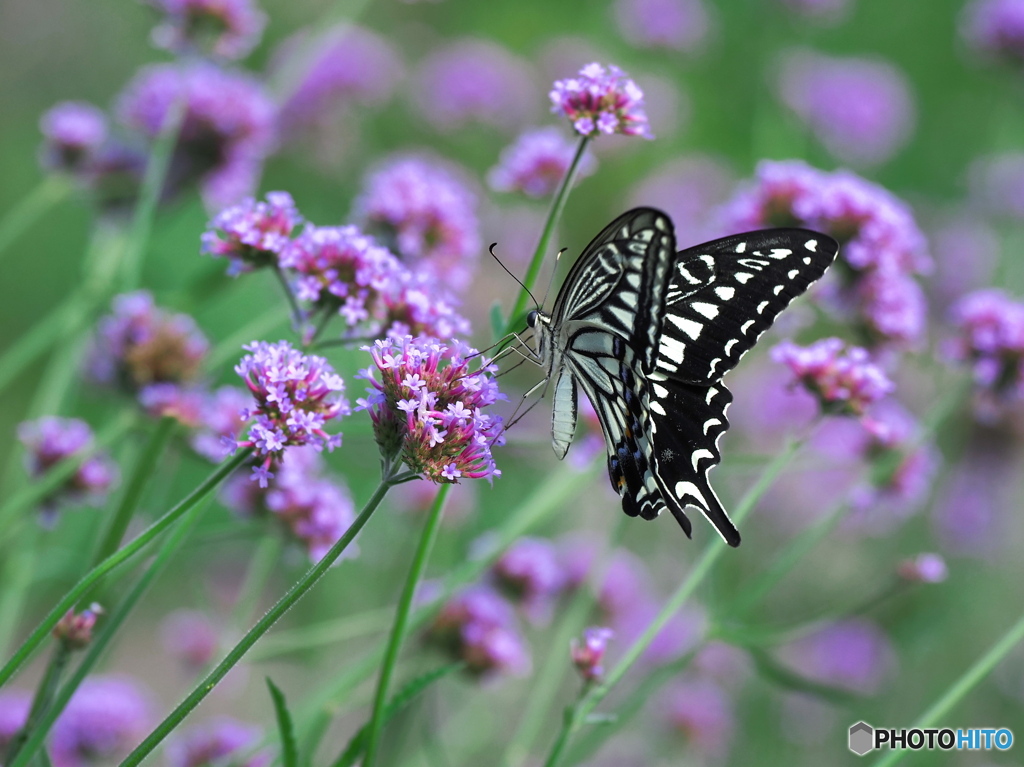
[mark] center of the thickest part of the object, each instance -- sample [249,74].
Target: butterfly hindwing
[724,294]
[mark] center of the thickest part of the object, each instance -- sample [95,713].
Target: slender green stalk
[122,555]
[30,208]
[959,689]
[282,606]
[293,305]
[35,342]
[141,474]
[554,214]
[419,565]
[43,699]
[577,714]
[102,640]
[323,634]
[149,197]
[261,566]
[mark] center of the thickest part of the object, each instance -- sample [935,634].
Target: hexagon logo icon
[862,738]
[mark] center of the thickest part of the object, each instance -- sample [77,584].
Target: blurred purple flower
[688,189]
[474,80]
[50,440]
[170,400]
[14,708]
[252,234]
[347,64]
[725,664]
[997,182]
[853,653]
[768,408]
[114,177]
[530,573]
[105,718]
[681,633]
[969,516]
[296,395]
[536,163]
[990,338]
[966,251]
[588,655]
[73,132]
[418,497]
[995,28]
[601,100]
[703,713]
[428,408]
[214,743]
[924,568]
[426,213]
[226,132]
[679,25]
[226,29]
[860,109]
[825,12]
[221,422]
[844,380]
[140,344]
[189,637]
[478,626]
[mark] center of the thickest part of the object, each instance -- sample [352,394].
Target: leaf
[289,747]
[497,320]
[400,700]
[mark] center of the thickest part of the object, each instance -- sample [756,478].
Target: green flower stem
[42,700]
[114,560]
[554,214]
[149,197]
[959,689]
[141,474]
[282,606]
[576,715]
[261,567]
[293,306]
[30,208]
[419,565]
[110,626]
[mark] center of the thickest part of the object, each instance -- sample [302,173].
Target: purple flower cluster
[426,214]
[844,380]
[14,708]
[189,637]
[350,64]
[700,710]
[990,327]
[73,133]
[601,100]
[588,655]
[531,574]
[216,742]
[428,408]
[296,395]
[252,234]
[140,344]
[50,440]
[74,630]
[860,109]
[853,653]
[226,133]
[479,627]
[226,29]
[536,163]
[313,509]
[221,422]
[170,400]
[996,28]
[881,245]
[678,25]
[105,718]
[474,81]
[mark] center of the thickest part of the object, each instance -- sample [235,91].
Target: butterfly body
[647,333]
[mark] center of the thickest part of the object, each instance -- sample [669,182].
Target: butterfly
[648,333]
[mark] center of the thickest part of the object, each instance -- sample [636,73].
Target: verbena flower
[220,741]
[990,339]
[74,630]
[140,344]
[478,626]
[852,653]
[860,109]
[600,100]
[113,176]
[350,65]
[427,409]
[530,573]
[536,163]
[221,422]
[170,400]
[227,130]
[474,81]
[252,234]
[995,28]
[227,29]
[296,395]
[844,379]
[73,132]
[106,717]
[189,637]
[679,25]
[588,655]
[924,568]
[50,440]
[702,712]
[424,211]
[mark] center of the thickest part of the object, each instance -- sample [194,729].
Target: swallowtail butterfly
[648,334]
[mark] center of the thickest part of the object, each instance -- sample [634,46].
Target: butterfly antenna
[554,271]
[491,251]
